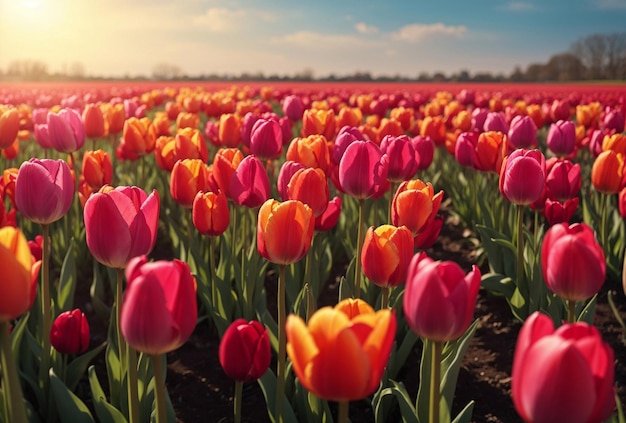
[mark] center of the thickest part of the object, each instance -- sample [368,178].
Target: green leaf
[465,415]
[452,359]
[498,284]
[67,281]
[77,367]
[17,335]
[70,408]
[105,412]
[397,390]
[267,382]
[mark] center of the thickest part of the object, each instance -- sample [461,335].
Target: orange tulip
[9,126]
[349,116]
[187,144]
[404,115]
[310,186]
[387,251]
[12,151]
[97,169]
[229,132]
[161,124]
[435,128]
[187,120]
[311,151]
[615,142]
[189,176]
[172,109]
[491,149]
[93,120]
[319,122]
[115,116]
[138,137]
[210,213]
[284,230]
[415,205]
[16,263]
[225,162]
[607,172]
[342,353]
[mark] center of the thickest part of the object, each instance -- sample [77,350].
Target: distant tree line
[594,57]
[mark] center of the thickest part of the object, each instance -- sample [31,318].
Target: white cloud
[219,19]
[611,4]
[364,28]
[416,32]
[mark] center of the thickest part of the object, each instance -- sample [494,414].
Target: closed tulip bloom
[310,186]
[93,121]
[572,261]
[424,151]
[495,121]
[189,143]
[439,298]
[97,169]
[9,126]
[311,151]
[561,139]
[41,136]
[189,176]
[479,115]
[187,120]
[563,179]
[387,251]
[287,170]
[121,224]
[66,131]
[415,205]
[607,172]
[229,130]
[346,136]
[613,121]
[69,333]
[159,311]
[161,124]
[615,142]
[16,262]
[245,352]
[115,117]
[363,170]
[293,107]
[558,212]
[523,132]
[319,122]
[434,128]
[44,190]
[465,149]
[523,176]
[342,353]
[210,213]
[349,116]
[225,162]
[401,153]
[249,184]
[284,230]
[266,139]
[329,218]
[138,137]
[562,375]
[491,149]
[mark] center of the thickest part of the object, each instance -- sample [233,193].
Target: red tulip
[523,132]
[424,151]
[439,298]
[557,212]
[44,190]
[93,121]
[522,177]
[293,108]
[121,224]
[159,311]
[245,352]
[572,261]
[249,184]
[415,205]
[69,333]
[210,213]
[363,170]
[563,179]
[563,375]
[225,162]
[327,220]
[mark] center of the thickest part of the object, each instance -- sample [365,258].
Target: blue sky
[393,37]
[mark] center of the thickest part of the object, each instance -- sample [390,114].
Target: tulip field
[312,252]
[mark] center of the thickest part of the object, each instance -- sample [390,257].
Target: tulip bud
[69,333]
[244,351]
[522,177]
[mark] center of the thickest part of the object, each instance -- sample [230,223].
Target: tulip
[115,117]
[121,224]
[9,126]
[572,261]
[363,170]
[97,169]
[93,121]
[189,176]
[562,375]
[428,236]
[225,162]
[287,170]
[44,190]
[309,185]
[523,132]
[161,124]
[495,121]
[284,230]
[434,128]
[349,116]
[465,149]
[523,176]
[329,218]
[561,139]
[311,151]
[607,172]
[293,108]
[346,136]
[401,153]
[415,205]
[16,263]
[249,184]
[210,213]
[159,312]
[186,120]
[479,115]
[613,121]
[138,137]
[244,351]
[319,122]
[266,139]
[66,131]
[342,353]
[42,137]
[491,149]
[229,132]
[247,123]
[563,179]
[424,151]
[69,333]
[615,142]
[557,212]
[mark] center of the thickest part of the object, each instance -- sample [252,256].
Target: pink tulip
[572,261]
[159,311]
[44,190]
[327,220]
[121,224]
[561,139]
[66,131]
[523,132]
[562,179]
[424,151]
[363,170]
[249,184]
[465,149]
[346,136]
[246,127]
[439,298]
[522,176]
[266,139]
[613,121]
[401,153]
[495,121]
[293,108]
[563,375]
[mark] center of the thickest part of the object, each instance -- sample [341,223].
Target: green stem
[233,241]
[212,281]
[159,387]
[603,223]
[44,365]
[121,342]
[11,382]
[384,301]
[343,411]
[132,386]
[435,382]
[237,400]
[359,246]
[571,311]
[282,344]
[520,248]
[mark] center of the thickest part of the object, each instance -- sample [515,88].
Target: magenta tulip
[121,224]
[363,170]
[346,136]
[465,149]
[561,139]
[44,190]
[293,107]
[424,151]
[249,184]
[66,131]
[159,311]
[401,153]
[266,139]
[327,220]
[245,352]
[563,179]
[495,121]
[613,121]
[439,298]
[563,375]
[522,176]
[523,132]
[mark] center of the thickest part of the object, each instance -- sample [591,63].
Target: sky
[116,38]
